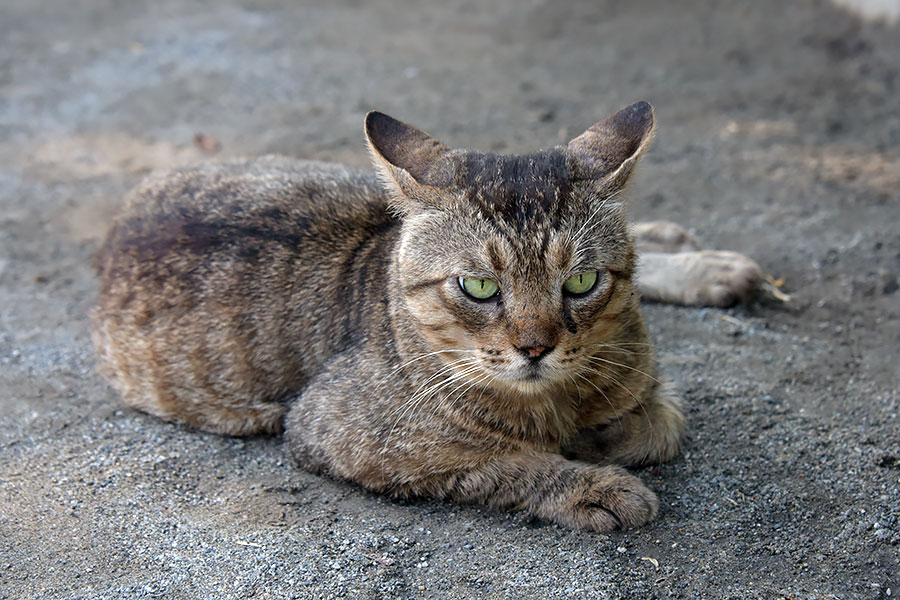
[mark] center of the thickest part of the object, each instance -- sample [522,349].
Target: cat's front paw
[610,498]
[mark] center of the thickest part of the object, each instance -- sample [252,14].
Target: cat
[462,326]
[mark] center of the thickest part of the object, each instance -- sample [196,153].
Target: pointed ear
[412,164]
[607,152]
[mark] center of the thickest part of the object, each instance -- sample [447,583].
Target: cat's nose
[535,353]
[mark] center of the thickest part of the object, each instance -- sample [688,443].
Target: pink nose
[534,352]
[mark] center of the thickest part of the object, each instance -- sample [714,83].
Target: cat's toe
[723,278]
[614,500]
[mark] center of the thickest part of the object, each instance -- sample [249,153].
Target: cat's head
[514,267]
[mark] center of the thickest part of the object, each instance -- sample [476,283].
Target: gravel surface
[778,136]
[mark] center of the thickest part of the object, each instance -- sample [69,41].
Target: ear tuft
[609,150]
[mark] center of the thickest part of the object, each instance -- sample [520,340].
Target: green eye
[480,289]
[580,284]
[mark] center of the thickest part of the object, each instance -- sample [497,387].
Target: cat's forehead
[529,258]
[516,190]
[533,201]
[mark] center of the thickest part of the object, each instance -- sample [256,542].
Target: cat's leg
[551,487]
[704,278]
[650,433]
[344,423]
[672,268]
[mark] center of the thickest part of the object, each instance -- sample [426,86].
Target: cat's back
[218,284]
[276,197]
[194,226]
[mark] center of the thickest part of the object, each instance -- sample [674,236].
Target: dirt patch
[89,156]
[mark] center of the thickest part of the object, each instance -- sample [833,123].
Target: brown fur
[235,294]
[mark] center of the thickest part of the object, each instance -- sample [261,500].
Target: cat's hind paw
[720,278]
[703,278]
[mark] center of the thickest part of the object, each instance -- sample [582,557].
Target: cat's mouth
[533,377]
[527,376]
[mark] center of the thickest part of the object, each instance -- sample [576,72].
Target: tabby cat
[465,326]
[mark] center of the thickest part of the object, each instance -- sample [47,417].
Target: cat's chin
[530,383]
[531,388]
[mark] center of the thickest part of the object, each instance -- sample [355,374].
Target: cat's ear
[413,165]
[607,152]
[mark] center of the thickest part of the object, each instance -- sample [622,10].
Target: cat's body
[238,293]
[246,263]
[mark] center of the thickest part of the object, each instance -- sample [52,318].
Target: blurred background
[778,125]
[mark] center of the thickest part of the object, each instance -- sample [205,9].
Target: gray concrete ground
[778,136]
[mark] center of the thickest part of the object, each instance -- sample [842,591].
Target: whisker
[470,366]
[404,407]
[427,354]
[624,366]
[425,390]
[431,392]
[444,369]
[441,406]
[603,204]
[602,393]
[409,407]
[577,387]
[486,386]
[608,376]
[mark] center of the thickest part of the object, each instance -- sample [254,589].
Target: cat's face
[515,269]
[517,282]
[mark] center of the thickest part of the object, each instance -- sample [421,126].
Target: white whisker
[597,359]
[609,377]
[427,354]
[602,205]
[424,392]
[602,393]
